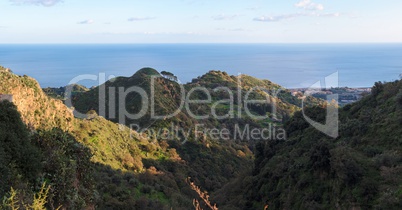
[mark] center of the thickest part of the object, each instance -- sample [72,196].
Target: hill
[358,170]
[127,169]
[59,93]
[220,94]
[98,162]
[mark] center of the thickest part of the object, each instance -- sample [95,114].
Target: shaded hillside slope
[358,170]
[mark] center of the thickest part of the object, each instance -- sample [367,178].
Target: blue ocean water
[290,65]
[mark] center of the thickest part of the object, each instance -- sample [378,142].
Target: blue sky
[200,21]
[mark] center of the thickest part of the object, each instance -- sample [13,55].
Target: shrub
[399,98]
[18,157]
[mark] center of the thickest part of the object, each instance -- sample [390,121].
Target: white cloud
[224,17]
[303,3]
[86,22]
[278,18]
[140,18]
[46,3]
[313,10]
[309,5]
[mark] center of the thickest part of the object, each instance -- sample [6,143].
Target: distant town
[346,95]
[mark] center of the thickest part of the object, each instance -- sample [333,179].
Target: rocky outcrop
[37,109]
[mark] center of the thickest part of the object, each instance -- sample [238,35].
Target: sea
[289,65]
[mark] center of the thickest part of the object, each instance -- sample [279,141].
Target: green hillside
[59,93]
[50,159]
[358,170]
[126,169]
[167,96]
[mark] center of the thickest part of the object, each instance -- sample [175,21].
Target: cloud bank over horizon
[177,21]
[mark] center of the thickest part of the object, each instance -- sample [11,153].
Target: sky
[200,21]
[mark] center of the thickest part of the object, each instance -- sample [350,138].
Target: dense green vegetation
[29,160]
[166,96]
[18,156]
[59,93]
[127,170]
[360,169]
[49,159]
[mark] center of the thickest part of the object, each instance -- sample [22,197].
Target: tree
[67,167]
[169,76]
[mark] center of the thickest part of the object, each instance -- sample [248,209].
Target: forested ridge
[51,159]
